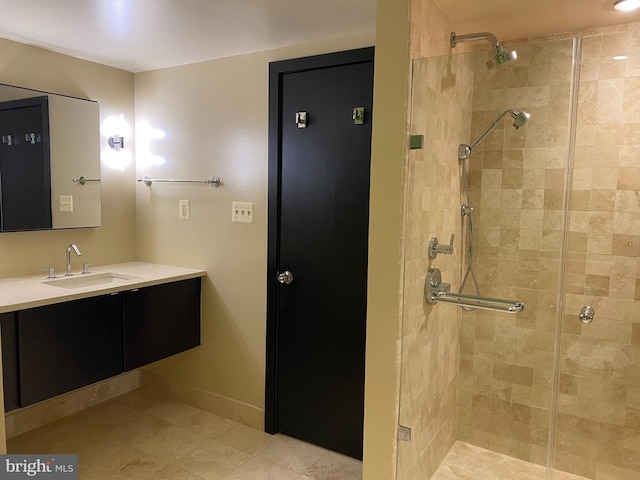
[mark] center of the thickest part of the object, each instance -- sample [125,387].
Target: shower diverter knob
[435,248]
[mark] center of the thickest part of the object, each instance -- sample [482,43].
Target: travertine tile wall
[598,425]
[504,398]
[517,188]
[440,111]
[430,353]
[516,181]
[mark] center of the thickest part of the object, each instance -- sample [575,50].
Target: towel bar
[213,181]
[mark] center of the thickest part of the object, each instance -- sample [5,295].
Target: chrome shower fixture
[500,55]
[519,119]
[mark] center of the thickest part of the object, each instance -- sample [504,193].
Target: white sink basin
[89,280]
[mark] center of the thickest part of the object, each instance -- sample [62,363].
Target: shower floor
[466,461]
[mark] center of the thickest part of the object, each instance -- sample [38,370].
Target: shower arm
[489,129]
[472,37]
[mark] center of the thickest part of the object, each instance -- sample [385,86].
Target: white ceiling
[139,35]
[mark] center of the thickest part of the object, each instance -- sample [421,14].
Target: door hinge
[404,433]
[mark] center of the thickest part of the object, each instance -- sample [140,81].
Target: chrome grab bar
[214,181]
[437,291]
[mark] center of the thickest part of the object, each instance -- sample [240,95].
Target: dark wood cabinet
[160,321]
[68,345]
[53,349]
[8,327]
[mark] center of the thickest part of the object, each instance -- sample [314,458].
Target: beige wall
[385,222]
[214,115]
[24,253]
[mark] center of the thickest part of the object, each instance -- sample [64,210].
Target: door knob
[285,277]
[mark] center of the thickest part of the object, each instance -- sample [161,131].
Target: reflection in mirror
[39,161]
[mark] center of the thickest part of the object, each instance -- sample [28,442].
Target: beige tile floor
[138,436]
[466,462]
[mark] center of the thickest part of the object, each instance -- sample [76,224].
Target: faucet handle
[85,267]
[51,270]
[435,248]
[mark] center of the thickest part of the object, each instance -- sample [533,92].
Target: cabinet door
[9,361]
[160,321]
[69,345]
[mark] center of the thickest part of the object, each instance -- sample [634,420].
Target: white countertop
[19,293]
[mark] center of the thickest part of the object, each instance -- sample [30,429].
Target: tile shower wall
[516,181]
[598,425]
[517,189]
[430,353]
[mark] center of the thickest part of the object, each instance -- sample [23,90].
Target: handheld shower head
[519,119]
[500,55]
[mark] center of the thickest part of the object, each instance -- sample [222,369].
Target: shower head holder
[464,151]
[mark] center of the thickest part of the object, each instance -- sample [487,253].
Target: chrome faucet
[75,249]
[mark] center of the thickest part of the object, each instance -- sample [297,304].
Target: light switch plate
[184,210]
[66,203]
[242,212]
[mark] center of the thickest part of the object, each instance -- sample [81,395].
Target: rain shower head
[519,119]
[500,55]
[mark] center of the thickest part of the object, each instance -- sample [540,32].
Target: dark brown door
[319,210]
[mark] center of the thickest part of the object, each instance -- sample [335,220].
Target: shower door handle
[587,314]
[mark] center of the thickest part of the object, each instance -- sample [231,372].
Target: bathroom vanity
[65,333]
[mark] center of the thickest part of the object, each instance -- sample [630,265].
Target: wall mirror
[49,161]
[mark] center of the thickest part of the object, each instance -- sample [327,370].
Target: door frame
[276,72]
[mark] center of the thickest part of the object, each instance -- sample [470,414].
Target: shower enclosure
[551,392]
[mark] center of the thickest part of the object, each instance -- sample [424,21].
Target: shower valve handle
[435,248]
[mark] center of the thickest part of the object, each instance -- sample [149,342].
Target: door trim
[276,72]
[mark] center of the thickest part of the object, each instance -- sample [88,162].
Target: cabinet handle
[114,293]
[134,290]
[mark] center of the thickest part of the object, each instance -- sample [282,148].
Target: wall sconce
[116,129]
[116,142]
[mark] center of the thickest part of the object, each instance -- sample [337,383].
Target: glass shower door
[598,419]
[477,387]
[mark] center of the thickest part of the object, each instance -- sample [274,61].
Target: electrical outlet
[242,212]
[66,203]
[184,208]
